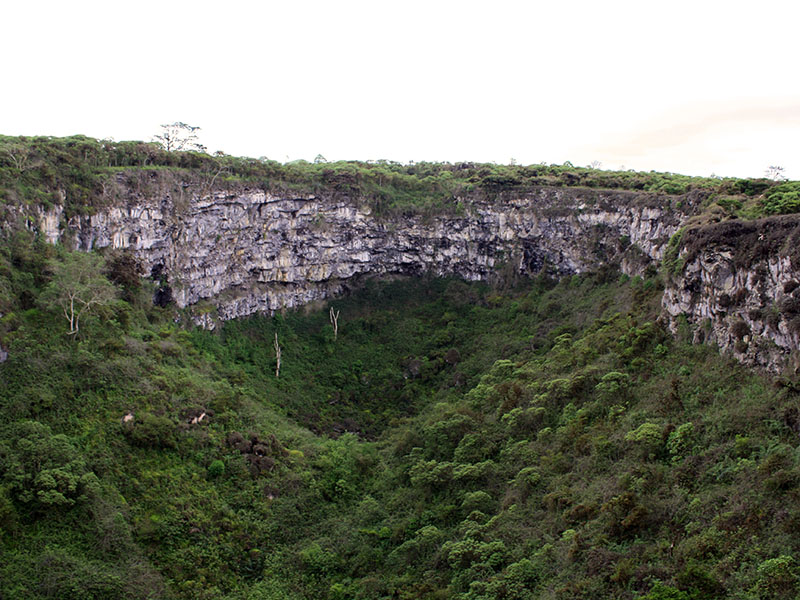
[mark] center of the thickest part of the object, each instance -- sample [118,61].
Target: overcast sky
[695,87]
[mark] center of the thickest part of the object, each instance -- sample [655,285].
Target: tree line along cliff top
[74,171]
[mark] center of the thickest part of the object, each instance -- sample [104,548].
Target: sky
[698,87]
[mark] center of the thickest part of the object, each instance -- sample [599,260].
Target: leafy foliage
[81,174]
[42,469]
[77,286]
[783,199]
[543,440]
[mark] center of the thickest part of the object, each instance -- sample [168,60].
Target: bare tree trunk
[208,188]
[335,322]
[72,324]
[278,356]
[19,155]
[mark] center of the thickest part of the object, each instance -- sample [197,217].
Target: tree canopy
[78,286]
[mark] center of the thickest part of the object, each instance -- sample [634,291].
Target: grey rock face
[739,287]
[227,253]
[234,253]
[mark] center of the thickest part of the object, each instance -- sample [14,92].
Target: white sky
[697,87]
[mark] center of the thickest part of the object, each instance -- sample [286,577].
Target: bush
[316,559]
[648,437]
[613,385]
[479,500]
[151,431]
[216,468]
[777,578]
[69,577]
[664,592]
[681,441]
[783,199]
[44,470]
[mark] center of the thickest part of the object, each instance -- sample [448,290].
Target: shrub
[69,577]
[424,543]
[431,474]
[44,470]
[613,385]
[776,578]
[681,441]
[783,199]
[151,431]
[699,583]
[316,559]
[624,516]
[216,468]
[730,203]
[672,261]
[648,437]
[528,478]
[472,448]
[524,421]
[479,500]
[664,592]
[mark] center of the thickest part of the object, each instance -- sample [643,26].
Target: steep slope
[544,441]
[230,252]
[738,284]
[230,236]
[539,437]
[242,250]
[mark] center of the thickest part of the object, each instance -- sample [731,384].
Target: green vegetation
[541,440]
[82,174]
[783,199]
[536,439]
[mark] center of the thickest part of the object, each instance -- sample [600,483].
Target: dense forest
[533,438]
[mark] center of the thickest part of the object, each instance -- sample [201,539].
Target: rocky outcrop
[227,252]
[737,284]
[235,251]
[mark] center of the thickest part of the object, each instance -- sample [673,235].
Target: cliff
[737,283]
[235,251]
[232,250]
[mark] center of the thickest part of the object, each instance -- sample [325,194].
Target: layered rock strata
[737,284]
[231,253]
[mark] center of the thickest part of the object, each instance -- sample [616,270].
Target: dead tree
[775,173]
[19,155]
[335,322]
[179,137]
[277,356]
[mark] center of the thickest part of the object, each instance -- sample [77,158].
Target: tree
[277,356]
[775,173]
[334,317]
[178,137]
[44,470]
[19,156]
[78,285]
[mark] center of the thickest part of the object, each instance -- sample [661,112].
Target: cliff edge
[231,250]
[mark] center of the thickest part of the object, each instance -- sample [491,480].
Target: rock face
[233,252]
[738,285]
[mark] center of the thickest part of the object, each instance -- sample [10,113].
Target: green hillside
[537,439]
[530,439]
